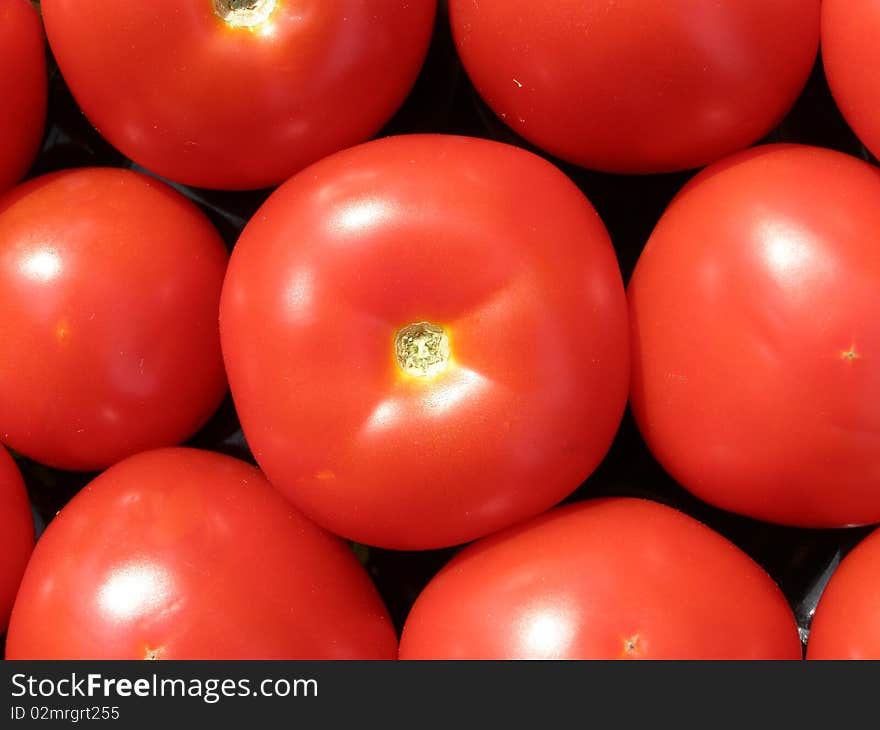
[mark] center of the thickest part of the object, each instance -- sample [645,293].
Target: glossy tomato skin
[846,624]
[638,86]
[485,240]
[615,578]
[851,57]
[16,533]
[189,97]
[755,337]
[23,89]
[187,554]
[109,342]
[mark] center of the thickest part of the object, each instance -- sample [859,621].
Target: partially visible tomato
[425,338]
[604,579]
[23,89]
[756,337]
[638,86]
[186,554]
[230,94]
[851,56]
[846,624]
[16,533]
[109,342]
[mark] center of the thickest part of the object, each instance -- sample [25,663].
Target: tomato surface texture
[16,533]
[638,86]
[846,624]
[109,342]
[755,332]
[851,56]
[187,554]
[425,338]
[232,95]
[611,578]
[22,89]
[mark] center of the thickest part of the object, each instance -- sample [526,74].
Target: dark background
[443,100]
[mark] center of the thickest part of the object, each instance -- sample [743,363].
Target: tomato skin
[638,86]
[755,337]
[16,533]
[487,240]
[187,554]
[846,624]
[260,103]
[613,578]
[851,57]
[23,89]
[109,342]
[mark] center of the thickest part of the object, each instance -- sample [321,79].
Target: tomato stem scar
[244,13]
[422,349]
[631,644]
[850,354]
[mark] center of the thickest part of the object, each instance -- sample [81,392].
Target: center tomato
[425,339]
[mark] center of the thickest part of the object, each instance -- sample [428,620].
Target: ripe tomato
[846,624]
[425,339]
[16,533]
[755,337]
[109,344]
[187,554]
[612,578]
[638,86]
[851,56]
[22,89]
[231,94]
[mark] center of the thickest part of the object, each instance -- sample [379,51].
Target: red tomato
[229,94]
[16,533]
[109,344]
[638,86]
[604,579]
[425,339]
[755,333]
[846,624]
[22,89]
[851,55]
[186,554]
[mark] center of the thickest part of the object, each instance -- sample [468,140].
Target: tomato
[23,89]
[614,578]
[755,337]
[109,343]
[638,86]
[851,57]
[16,533]
[187,554]
[231,94]
[425,338]
[846,624]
